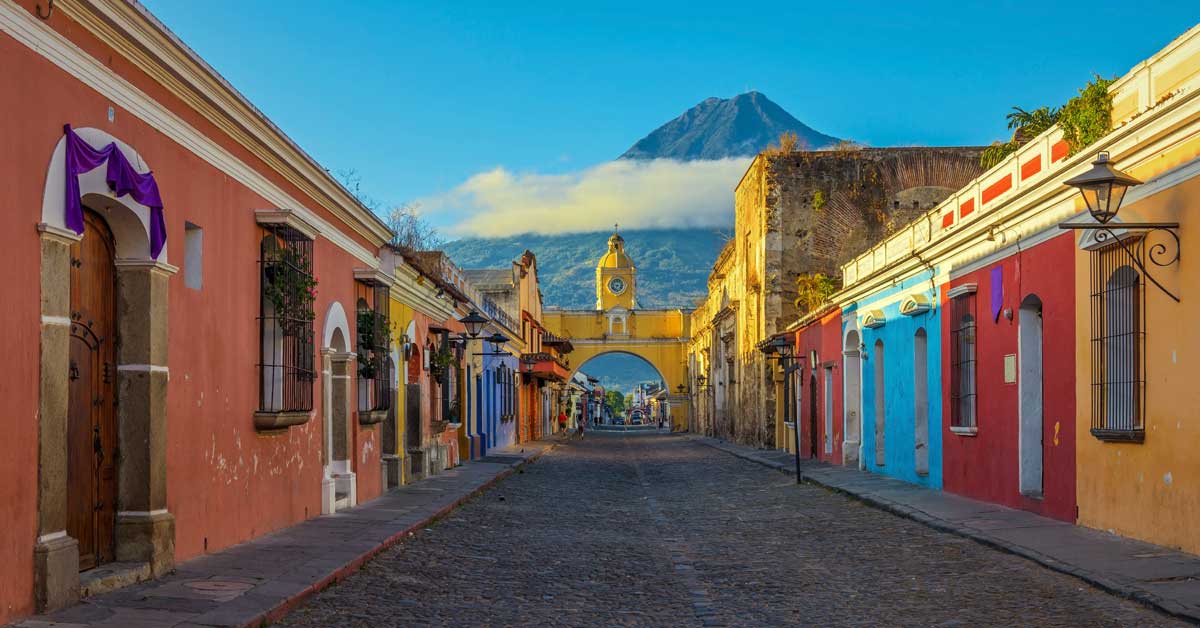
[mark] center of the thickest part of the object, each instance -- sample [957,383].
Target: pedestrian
[581,425]
[562,422]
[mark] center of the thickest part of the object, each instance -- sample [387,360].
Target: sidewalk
[258,581]
[1159,577]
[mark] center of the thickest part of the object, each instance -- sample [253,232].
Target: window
[286,320]
[373,332]
[193,256]
[962,360]
[1118,334]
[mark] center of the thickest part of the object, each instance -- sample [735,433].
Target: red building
[1008,427]
[170,213]
[817,385]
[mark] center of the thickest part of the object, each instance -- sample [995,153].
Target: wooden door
[812,415]
[412,417]
[91,418]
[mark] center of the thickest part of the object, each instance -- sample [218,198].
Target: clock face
[616,285]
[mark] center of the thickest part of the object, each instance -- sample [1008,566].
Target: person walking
[562,422]
[580,428]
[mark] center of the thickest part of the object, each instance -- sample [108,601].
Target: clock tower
[616,277]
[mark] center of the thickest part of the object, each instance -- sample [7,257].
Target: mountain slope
[718,128]
[673,264]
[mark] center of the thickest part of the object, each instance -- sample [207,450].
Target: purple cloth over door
[122,179]
[997,292]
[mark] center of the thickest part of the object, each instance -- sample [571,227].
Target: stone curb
[282,608]
[1139,595]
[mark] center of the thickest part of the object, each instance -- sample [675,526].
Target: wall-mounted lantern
[1103,189]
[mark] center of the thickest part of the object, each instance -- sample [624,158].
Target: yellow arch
[657,336]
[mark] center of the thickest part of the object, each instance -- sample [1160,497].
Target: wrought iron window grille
[962,361]
[287,289]
[1117,303]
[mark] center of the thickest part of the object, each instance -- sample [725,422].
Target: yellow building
[617,325]
[1136,394]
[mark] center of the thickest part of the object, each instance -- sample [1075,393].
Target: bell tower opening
[616,276]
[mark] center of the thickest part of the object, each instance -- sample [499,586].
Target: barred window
[962,361]
[287,291]
[1118,345]
[373,331]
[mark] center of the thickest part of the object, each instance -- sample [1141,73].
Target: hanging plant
[439,361]
[292,289]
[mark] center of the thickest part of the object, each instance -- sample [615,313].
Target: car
[618,421]
[636,418]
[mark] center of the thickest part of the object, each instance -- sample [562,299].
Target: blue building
[898,388]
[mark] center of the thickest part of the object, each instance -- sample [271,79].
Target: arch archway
[338,486]
[143,530]
[852,411]
[643,371]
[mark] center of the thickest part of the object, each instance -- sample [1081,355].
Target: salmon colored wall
[20,315]
[986,466]
[824,337]
[227,483]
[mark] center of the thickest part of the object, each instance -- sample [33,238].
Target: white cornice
[57,49]
[288,218]
[136,34]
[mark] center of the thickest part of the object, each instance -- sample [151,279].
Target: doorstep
[259,581]
[1159,577]
[111,577]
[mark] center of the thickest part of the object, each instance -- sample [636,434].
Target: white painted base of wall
[328,496]
[345,484]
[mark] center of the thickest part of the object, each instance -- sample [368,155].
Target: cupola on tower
[616,277]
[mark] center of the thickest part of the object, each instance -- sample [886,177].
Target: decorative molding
[58,321]
[373,276]
[62,52]
[287,218]
[915,304]
[146,264]
[280,420]
[961,290]
[143,368]
[52,232]
[874,319]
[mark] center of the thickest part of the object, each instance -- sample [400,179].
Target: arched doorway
[852,410]
[109,456]
[1030,390]
[639,383]
[814,446]
[91,414]
[921,401]
[339,488]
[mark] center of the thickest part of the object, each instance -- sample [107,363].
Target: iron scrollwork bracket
[1159,253]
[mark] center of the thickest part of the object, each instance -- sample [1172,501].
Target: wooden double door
[91,416]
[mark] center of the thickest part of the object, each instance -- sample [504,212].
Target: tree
[615,401]
[412,231]
[812,289]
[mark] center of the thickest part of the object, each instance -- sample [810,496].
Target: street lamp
[474,323]
[1103,189]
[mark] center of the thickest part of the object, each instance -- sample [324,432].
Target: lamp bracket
[1161,254]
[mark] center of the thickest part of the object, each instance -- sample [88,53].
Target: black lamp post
[474,323]
[1103,189]
[784,352]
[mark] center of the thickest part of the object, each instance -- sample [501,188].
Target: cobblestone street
[659,530]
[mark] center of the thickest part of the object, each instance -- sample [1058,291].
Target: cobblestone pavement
[659,531]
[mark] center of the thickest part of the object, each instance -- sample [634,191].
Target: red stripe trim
[1031,167]
[966,208]
[996,189]
[1060,150]
[947,219]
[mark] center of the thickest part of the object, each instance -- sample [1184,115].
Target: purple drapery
[997,292]
[122,179]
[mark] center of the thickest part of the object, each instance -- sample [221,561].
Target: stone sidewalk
[257,582]
[1159,577]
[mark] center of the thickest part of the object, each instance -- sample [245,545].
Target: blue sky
[419,97]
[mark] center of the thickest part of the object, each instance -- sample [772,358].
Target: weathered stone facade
[799,213]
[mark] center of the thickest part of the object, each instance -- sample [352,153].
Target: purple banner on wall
[997,292]
[122,179]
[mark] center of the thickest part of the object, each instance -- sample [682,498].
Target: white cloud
[638,194]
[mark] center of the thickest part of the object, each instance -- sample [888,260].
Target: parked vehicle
[636,418]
